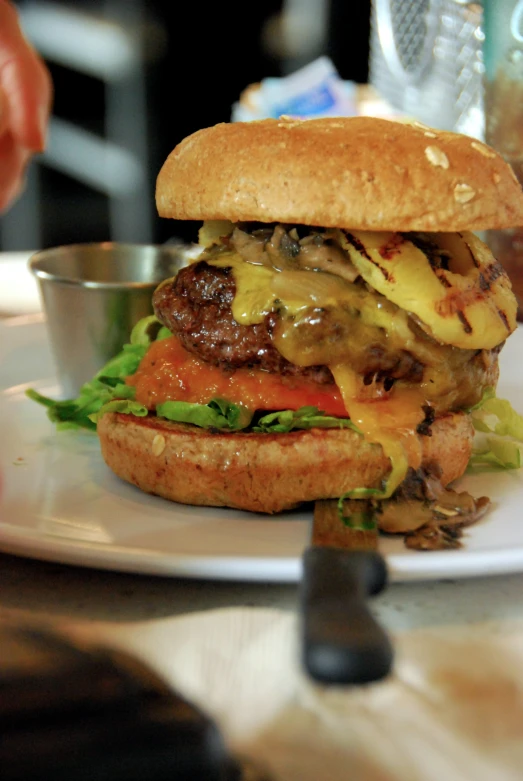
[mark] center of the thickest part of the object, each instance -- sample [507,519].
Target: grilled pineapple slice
[212,231]
[450,281]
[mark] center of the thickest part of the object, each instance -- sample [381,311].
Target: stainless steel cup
[92,296]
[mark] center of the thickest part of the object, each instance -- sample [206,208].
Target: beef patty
[196,307]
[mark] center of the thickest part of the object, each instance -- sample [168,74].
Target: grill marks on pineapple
[483,282]
[463,320]
[438,258]
[359,247]
[440,262]
[493,272]
[486,279]
[444,281]
[473,259]
[504,318]
[392,247]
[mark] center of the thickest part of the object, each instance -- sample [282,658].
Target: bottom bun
[264,473]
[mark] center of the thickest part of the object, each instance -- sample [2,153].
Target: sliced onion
[316,287]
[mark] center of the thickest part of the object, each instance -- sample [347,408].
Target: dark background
[197,60]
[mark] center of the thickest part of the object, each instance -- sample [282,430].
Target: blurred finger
[26,89]
[4,113]
[13,163]
[25,81]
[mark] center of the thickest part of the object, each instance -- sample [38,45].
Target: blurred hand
[25,102]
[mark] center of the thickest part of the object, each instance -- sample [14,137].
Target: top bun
[347,172]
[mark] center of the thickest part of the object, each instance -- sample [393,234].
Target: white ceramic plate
[60,502]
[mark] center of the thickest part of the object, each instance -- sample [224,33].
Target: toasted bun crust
[263,473]
[346,172]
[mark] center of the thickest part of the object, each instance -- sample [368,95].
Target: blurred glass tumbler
[503,55]
[92,295]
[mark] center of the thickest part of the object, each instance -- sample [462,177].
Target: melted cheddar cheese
[359,317]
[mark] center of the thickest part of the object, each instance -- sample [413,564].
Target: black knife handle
[341,640]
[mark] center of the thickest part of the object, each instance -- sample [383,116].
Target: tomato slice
[168,372]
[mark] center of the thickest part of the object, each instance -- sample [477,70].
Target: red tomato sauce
[168,372]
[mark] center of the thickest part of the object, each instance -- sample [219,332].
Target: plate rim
[22,541]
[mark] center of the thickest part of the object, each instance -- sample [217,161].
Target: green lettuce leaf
[147,330]
[127,407]
[488,393]
[503,429]
[124,363]
[496,452]
[76,413]
[107,385]
[303,418]
[497,416]
[218,413]
[364,520]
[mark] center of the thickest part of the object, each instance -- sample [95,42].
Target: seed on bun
[263,473]
[362,173]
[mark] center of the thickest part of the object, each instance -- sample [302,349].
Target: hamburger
[338,326]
